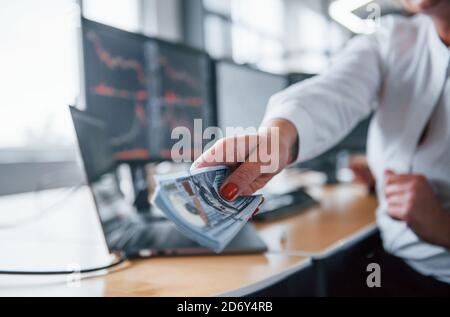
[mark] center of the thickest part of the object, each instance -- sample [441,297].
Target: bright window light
[123,14]
[38,76]
[312,31]
[266,16]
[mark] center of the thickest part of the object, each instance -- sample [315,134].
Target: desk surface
[202,276]
[344,212]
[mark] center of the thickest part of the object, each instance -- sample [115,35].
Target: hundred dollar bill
[193,202]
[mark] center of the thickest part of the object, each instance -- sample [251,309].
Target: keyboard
[284,205]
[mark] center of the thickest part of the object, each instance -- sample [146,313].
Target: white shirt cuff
[303,122]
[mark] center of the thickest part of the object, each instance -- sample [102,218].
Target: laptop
[138,234]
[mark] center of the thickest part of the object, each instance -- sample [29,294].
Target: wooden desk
[344,211]
[202,276]
[181,276]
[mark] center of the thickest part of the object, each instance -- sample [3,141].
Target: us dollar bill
[193,202]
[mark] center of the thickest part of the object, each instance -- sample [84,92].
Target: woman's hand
[361,171]
[411,199]
[253,159]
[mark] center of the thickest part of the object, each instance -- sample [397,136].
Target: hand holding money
[253,159]
[193,202]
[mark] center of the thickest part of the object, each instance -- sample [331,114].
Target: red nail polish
[262,201]
[229,191]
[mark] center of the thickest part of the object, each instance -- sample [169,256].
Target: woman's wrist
[288,137]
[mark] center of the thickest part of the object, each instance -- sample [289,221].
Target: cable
[121,259]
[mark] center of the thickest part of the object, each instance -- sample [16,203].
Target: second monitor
[243,94]
[181,92]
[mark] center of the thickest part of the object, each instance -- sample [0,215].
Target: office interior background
[40,63]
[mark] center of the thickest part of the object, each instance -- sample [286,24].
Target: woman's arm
[324,109]
[309,117]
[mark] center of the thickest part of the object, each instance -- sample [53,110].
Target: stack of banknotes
[193,202]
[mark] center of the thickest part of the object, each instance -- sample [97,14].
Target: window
[274,35]
[39,74]
[40,77]
[309,50]
[249,31]
[311,36]
[123,14]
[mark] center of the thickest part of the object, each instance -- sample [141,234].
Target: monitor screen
[116,86]
[181,93]
[243,94]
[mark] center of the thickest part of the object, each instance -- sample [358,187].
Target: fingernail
[229,191]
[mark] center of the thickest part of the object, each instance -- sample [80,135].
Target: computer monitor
[243,94]
[181,92]
[143,88]
[116,87]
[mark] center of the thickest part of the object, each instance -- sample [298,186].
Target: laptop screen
[100,169]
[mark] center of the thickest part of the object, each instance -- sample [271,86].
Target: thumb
[389,176]
[389,172]
[240,179]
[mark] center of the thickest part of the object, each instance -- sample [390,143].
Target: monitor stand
[142,187]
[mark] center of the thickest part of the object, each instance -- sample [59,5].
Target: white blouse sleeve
[325,108]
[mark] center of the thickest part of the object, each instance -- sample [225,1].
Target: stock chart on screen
[117,88]
[180,93]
